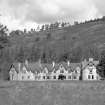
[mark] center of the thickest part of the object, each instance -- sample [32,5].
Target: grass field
[52,93]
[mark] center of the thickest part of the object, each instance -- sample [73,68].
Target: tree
[42,28]
[91,51]
[56,25]
[64,57]
[62,24]
[76,54]
[51,27]
[25,31]
[48,36]
[3,36]
[101,65]
[35,53]
[46,27]
[17,33]
[20,55]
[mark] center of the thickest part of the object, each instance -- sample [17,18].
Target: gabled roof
[15,65]
[67,67]
[74,65]
[85,64]
[56,67]
[35,67]
[48,66]
[64,64]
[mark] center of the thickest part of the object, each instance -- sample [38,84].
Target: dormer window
[45,70]
[90,64]
[54,71]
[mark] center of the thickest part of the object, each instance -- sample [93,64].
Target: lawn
[52,93]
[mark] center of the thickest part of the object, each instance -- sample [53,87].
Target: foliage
[101,65]
[48,36]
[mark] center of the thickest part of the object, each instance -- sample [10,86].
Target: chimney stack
[90,59]
[40,63]
[26,62]
[68,63]
[19,66]
[53,63]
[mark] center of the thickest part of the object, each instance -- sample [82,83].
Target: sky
[20,14]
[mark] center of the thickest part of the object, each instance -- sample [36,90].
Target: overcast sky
[17,14]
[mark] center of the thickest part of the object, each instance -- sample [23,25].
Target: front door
[61,77]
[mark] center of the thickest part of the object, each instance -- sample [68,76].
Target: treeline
[89,21]
[57,25]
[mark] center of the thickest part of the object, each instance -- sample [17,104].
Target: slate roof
[48,66]
[37,68]
[70,68]
[74,65]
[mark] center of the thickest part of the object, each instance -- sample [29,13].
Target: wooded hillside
[73,43]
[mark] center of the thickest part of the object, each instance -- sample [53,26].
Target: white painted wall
[86,73]
[13,74]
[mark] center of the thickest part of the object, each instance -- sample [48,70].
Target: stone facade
[62,71]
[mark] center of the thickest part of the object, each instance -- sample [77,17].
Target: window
[54,77]
[89,77]
[92,76]
[62,71]
[69,77]
[12,77]
[75,77]
[22,77]
[54,71]
[61,66]
[48,77]
[44,77]
[28,77]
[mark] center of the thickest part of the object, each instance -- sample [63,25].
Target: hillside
[92,33]
[72,39]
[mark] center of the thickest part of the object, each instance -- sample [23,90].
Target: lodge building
[86,70]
